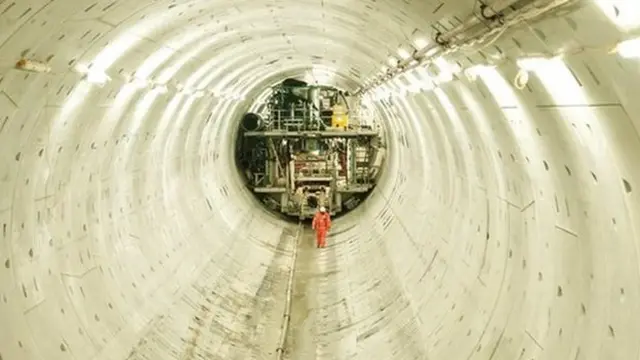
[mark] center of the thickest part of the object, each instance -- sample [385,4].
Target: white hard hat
[322,209]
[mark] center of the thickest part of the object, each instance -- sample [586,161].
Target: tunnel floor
[301,342]
[308,314]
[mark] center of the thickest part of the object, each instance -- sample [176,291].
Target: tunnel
[505,225]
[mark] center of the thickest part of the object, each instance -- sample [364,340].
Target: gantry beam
[312,134]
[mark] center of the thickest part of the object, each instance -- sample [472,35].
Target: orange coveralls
[321,224]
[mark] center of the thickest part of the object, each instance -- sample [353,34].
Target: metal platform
[313,179]
[312,134]
[355,189]
[272,190]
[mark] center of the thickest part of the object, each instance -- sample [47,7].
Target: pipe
[531,10]
[286,317]
[292,170]
[472,21]
[444,39]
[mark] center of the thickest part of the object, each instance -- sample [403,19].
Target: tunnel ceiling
[231,42]
[505,225]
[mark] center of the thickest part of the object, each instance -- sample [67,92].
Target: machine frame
[308,148]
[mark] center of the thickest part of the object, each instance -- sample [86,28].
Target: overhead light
[428,85]
[473,72]
[531,64]
[94,76]
[384,69]
[404,54]
[422,72]
[97,77]
[629,49]
[536,63]
[198,94]
[431,52]
[445,71]
[623,13]
[138,83]
[445,66]
[393,62]
[161,89]
[420,43]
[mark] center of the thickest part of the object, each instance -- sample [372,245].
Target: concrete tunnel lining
[505,225]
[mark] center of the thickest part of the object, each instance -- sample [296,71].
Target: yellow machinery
[339,119]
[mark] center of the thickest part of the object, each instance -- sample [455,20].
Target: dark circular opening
[251,122]
[306,146]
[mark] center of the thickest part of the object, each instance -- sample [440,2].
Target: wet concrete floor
[301,341]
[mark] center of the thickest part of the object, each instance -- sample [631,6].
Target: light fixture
[623,13]
[97,77]
[161,89]
[629,49]
[536,63]
[393,62]
[473,72]
[446,70]
[420,43]
[404,54]
[427,86]
[93,76]
[444,65]
[431,52]
[198,94]
[422,73]
[138,83]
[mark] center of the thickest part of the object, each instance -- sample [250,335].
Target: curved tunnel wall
[504,227]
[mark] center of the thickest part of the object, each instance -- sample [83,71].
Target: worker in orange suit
[321,224]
